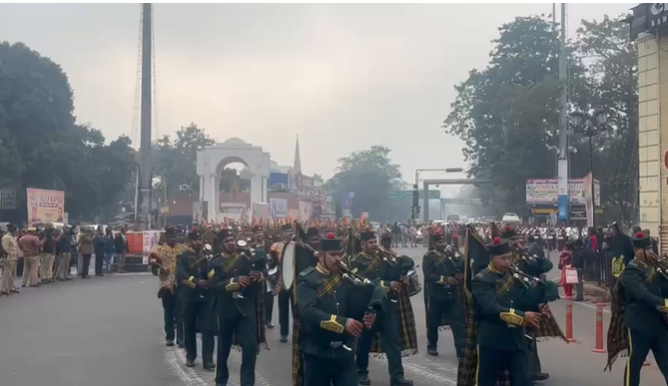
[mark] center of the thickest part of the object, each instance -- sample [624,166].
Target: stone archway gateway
[212,160]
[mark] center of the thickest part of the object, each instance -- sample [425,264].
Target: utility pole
[145,165]
[562,164]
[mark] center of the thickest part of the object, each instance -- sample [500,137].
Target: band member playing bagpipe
[501,303]
[537,266]
[395,334]
[163,264]
[193,291]
[443,274]
[639,311]
[333,313]
[237,282]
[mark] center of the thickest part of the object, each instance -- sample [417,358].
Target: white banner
[305,211]
[150,241]
[546,192]
[278,207]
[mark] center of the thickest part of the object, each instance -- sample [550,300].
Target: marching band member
[239,304]
[370,265]
[536,266]
[163,262]
[503,310]
[642,326]
[442,276]
[329,333]
[192,288]
[303,259]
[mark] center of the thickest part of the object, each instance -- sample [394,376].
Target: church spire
[297,164]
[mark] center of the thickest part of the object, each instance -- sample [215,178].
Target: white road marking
[427,373]
[187,375]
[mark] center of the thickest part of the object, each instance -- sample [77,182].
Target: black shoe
[15,291]
[23,285]
[270,325]
[402,382]
[284,339]
[541,377]
[190,363]
[170,343]
[363,379]
[432,351]
[208,366]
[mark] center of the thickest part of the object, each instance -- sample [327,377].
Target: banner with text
[150,240]
[45,205]
[278,207]
[546,192]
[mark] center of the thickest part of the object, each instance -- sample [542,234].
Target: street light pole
[416,188]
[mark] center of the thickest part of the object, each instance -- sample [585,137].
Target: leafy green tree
[370,175]
[175,161]
[42,146]
[507,114]
[613,79]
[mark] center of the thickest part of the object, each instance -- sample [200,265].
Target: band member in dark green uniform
[303,259]
[236,286]
[536,266]
[442,275]
[645,316]
[191,277]
[370,265]
[328,330]
[504,307]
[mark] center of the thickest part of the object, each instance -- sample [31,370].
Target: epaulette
[482,273]
[637,264]
[305,272]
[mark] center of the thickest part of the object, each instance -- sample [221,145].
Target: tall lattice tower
[144,113]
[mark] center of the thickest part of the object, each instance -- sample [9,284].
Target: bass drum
[287,265]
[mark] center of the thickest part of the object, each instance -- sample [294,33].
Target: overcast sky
[342,77]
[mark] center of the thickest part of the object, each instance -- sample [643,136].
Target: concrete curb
[601,294]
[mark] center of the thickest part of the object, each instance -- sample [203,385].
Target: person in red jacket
[564,264]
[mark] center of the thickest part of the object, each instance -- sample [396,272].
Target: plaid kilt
[407,331]
[618,343]
[444,324]
[259,314]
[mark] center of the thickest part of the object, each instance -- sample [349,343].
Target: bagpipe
[549,290]
[402,268]
[477,258]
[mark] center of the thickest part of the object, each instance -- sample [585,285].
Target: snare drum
[414,287]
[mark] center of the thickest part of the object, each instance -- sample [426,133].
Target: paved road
[56,335]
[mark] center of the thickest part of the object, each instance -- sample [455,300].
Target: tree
[613,77]
[318,178]
[176,161]
[42,146]
[370,175]
[507,114]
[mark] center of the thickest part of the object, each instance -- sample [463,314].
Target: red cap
[367,230]
[496,241]
[640,235]
[331,236]
[508,228]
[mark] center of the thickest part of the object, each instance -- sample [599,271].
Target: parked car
[511,218]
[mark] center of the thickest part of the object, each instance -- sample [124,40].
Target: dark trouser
[453,311]
[99,262]
[268,307]
[198,312]
[639,346]
[284,300]
[244,328]
[491,362]
[86,264]
[534,367]
[170,306]
[388,327]
[320,371]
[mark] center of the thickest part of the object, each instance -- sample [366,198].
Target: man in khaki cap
[9,244]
